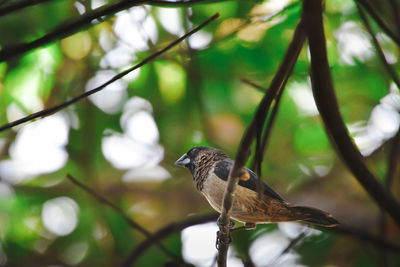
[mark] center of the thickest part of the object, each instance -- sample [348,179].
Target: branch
[256,164]
[164,232]
[131,222]
[379,21]
[49,111]
[244,148]
[252,84]
[288,248]
[325,99]
[71,26]
[19,5]
[378,48]
[365,236]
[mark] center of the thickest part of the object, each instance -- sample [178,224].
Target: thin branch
[71,26]
[396,14]
[256,86]
[118,210]
[164,232]
[379,21]
[268,128]
[378,48]
[247,139]
[288,248]
[325,99]
[19,5]
[393,168]
[365,236]
[394,161]
[49,111]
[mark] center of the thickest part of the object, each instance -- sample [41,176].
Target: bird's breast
[245,202]
[213,190]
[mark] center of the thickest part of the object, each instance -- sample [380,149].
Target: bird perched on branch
[210,169]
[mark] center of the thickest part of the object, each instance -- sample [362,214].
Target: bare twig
[49,111]
[71,26]
[396,15]
[394,161]
[19,5]
[365,236]
[258,159]
[289,247]
[253,84]
[247,139]
[164,232]
[131,222]
[378,48]
[379,21]
[393,169]
[325,99]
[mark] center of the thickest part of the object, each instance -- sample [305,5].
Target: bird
[210,169]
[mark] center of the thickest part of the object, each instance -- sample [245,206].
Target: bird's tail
[315,216]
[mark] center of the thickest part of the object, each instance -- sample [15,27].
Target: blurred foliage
[197,98]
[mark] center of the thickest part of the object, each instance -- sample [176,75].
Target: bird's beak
[183,161]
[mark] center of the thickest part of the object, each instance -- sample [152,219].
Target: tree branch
[268,130]
[71,26]
[365,236]
[379,21]
[325,99]
[49,111]
[378,48]
[164,232]
[19,5]
[247,139]
[131,222]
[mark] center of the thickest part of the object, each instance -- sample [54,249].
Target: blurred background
[123,141]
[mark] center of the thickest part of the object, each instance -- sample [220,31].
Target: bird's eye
[192,152]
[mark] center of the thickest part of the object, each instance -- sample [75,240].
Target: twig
[19,5]
[71,26]
[394,160]
[396,15]
[131,222]
[325,99]
[365,236]
[378,48]
[393,169]
[252,84]
[268,129]
[291,245]
[54,109]
[379,21]
[164,232]
[247,139]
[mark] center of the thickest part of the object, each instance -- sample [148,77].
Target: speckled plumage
[210,169]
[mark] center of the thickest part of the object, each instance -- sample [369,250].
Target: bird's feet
[220,237]
[247,226]
[231,223]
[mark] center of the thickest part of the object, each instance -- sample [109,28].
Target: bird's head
[200,156]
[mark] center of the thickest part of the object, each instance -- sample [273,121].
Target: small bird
[210,169]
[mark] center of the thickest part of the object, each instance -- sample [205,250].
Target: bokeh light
[60,215]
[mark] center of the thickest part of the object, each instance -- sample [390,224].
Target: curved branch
[19,5]
[379,21]
[366,237]
[164,232]
[378,48]
[243,153]
[325,99]
[49,111]
[131,222]
[71,26]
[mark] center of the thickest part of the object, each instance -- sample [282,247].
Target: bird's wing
[223,167]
